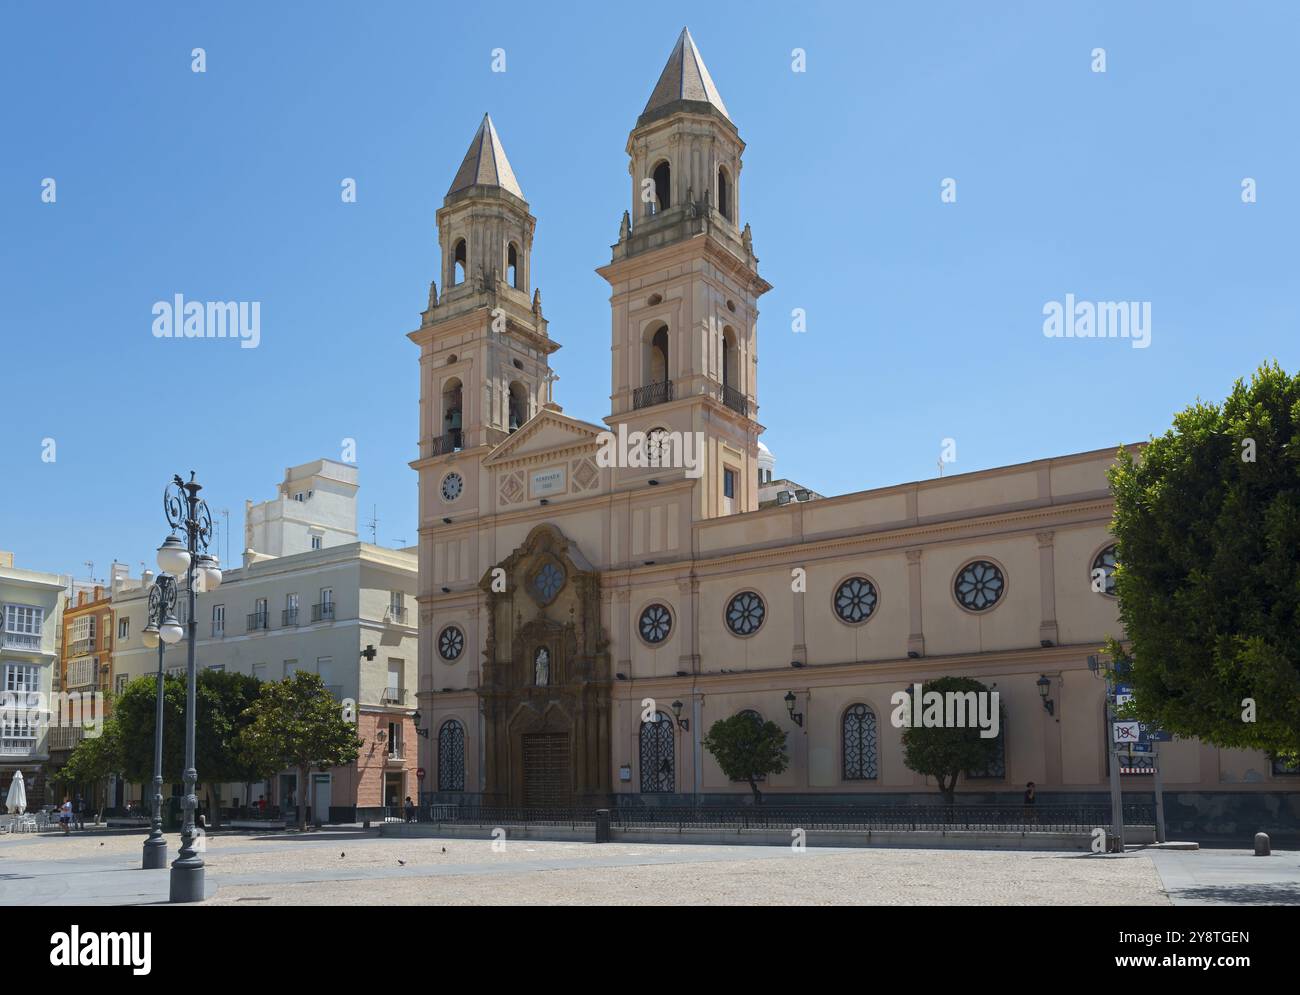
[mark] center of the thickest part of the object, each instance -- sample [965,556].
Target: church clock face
[452,485]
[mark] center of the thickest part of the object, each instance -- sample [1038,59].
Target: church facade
[583,622]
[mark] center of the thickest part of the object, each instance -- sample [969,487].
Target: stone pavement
[348,867]
[1229,877]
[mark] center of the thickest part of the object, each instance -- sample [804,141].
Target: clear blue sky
[925,319]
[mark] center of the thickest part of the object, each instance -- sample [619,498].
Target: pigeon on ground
[342,855]
[444,849]
[402,862]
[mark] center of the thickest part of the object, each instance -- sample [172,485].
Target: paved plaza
[348,867]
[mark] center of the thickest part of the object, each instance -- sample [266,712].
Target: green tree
[946,752]
[222,704]
[297,723]
[747,749]
[1208,528]
[94,759]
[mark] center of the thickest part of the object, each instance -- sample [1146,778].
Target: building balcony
[218,630]
[81,647]
[652,394]
[396,614]
[323,612]
[20,641]
[734,399]
[66,737]
[393,696]
[19,748]
[452,442]
[257,620]
[289,617]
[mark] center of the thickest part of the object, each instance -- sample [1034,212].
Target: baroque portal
[546,678]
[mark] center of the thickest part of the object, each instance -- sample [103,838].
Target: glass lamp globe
[210,573]
[173,558]
[149,636]
[171,632]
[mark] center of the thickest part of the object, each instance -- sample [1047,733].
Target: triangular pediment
[548,433]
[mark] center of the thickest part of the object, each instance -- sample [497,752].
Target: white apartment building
[31,615]
[345,610]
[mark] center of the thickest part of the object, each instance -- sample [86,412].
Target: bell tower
[484,344]
[685,287]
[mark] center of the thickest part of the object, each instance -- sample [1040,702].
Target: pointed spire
[485,163]
[685,77]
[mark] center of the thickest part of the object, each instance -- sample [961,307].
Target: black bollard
[1262,848]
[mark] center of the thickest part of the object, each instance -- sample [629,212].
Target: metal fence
[1079,818]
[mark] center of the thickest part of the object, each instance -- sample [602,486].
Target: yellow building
[567,592]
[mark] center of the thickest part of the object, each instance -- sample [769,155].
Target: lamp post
[161,631]
[188,554]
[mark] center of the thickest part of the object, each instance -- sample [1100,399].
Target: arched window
[451,756]
[658,771]
[451,412]
[724,193]
[512,266]
[861,747]
[518,405]
[730,369]
[659,355]
[662,177]
[458,263]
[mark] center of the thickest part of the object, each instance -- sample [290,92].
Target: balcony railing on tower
[734,399]
[452,442]
[652,394]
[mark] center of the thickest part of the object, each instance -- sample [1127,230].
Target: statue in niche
[542,667]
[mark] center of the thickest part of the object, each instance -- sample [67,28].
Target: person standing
[410,809]
[65,815]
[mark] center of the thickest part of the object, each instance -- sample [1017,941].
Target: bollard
[1261,845]
[602,825]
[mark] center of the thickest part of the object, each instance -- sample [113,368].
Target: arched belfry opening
[658,370]
[452,415]
[512,266]
[518,404]
[545,689]
[662,176]
[458,257]
[724,193]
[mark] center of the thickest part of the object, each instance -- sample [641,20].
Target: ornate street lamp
[188,554]
[162,631]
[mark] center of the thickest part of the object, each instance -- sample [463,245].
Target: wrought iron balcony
[323,612]
[452,442]
[396,614]
[734,399]
[652,394]
[218,630]
[257,620]
[394,696]
[289,617]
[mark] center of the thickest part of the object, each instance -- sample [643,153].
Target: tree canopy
[747,748]
[1208,529]
[946,752]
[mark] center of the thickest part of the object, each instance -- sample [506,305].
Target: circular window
[451,641]
[745,613]
[656,622]
[855,600]
[548,581]
[1104,582]
[979,586]
[452,485]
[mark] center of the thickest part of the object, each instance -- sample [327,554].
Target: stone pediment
[546,435]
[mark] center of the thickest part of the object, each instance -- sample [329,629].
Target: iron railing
[289,617]
[323,612]
[257,620]
[452,442]
[734,399]
[1066,818]
[652,393]
[396,614]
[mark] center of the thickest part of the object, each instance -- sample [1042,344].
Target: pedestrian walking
[65,815]
[410,809]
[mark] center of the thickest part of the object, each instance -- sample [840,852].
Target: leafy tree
[747,748]
[222,701]
[93,759]
[1208,529]
[297,723]
[945,752]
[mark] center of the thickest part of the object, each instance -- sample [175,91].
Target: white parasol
[16,803]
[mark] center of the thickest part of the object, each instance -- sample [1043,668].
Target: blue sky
[924,318]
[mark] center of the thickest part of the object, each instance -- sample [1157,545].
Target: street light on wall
[789,707]
[1044,687]
[677,714]
[419,730]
